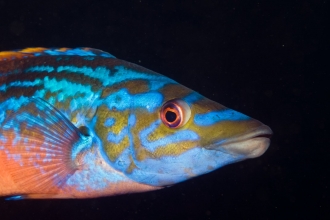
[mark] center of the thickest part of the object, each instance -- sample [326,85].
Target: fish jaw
[253,144]
[202,159]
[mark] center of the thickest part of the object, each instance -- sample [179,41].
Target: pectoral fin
[38,142]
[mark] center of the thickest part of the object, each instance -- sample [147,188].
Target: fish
[80,123]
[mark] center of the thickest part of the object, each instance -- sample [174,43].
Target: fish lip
[262,131]
[252,144]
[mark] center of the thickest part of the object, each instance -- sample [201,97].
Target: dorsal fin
[40,51]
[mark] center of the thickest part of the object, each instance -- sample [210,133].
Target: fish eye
[175,113]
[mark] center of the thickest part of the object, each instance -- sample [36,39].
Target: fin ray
[37,141]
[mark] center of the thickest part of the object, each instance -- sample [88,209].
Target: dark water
[266,60]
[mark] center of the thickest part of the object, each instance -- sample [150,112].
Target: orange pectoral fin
[36,148]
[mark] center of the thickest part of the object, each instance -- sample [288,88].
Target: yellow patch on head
[174,149]
[113,150]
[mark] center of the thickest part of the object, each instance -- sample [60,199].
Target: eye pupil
[170,116]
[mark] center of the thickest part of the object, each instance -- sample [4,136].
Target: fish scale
[80,123]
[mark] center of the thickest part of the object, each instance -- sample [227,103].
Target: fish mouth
[250,145]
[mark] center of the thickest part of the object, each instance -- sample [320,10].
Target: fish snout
[252,144]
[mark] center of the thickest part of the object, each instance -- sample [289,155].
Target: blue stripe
[219,116]
[122,100]
[21,84]
[155,81]
[40,69]
[177,137]
[192,97]
[117,138]
[101,73]
[104,75]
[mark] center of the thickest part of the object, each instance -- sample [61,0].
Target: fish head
[177,134]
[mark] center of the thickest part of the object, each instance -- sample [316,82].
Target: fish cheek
[140,131]
[157,140]
[110,127]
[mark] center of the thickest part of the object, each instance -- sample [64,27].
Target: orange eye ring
[175,113]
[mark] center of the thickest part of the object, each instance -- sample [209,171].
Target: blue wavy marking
[123,161]
[4,87]
[109,122]
[48,69]
[155,81]
[67,88]
[122,100]
[177,137]
[211,118]
[104,74]
[131,120]
[117,138]
[64,89]
[11,104]
[192,97]
[101,73]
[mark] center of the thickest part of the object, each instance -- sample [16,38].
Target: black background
[266,59]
